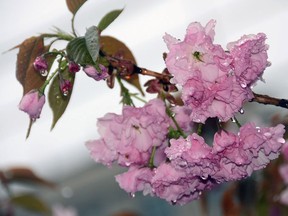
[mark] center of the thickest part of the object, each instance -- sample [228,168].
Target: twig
[267,100]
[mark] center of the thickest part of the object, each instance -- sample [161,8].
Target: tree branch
[267,100]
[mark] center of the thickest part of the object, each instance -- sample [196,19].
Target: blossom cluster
[215,84]
[33,101]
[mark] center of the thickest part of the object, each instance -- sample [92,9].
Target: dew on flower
[44,73]
[281,140]
[267,134]
[243,84]
[173,202]
[241,111]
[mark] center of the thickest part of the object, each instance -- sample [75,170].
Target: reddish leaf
[229,206]
[25,72]
[74,5]
[114,47]
[23,175]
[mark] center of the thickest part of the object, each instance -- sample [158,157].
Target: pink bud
[40,64]
[65,86]
[32,103]
[73,67]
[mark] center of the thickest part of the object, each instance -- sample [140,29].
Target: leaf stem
[72,25]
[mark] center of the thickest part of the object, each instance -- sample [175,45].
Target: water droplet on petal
[258,129]
[132,195]
[267,134]
[66,93]
[243,84]
[44,73]
[174,202]
[281,140]
[233,119]
[127,164]
[204,176]
[241,111]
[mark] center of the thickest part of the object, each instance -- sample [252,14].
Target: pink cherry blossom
[249,57]
[136,179]
[182,116]
[205,72]
[91,71]
[32,103]
[131,135]
[252,149]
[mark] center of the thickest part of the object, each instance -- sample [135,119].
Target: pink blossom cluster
[215,82]
[181,168]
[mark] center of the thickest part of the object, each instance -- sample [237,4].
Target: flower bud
[65,87]
[73,67]
[95,74]
[40,64]
[32,103]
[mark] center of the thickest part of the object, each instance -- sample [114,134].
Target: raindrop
[66,93]
[243,84]
[219,120]
[241,111]
[281,140]
[132,195]
[267,134]
[127,163]
[258,129]
[44,73]
[174,202]
[58,97]
[204,176]
[233,119]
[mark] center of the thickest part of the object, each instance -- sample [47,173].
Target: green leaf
[25,72]
[57,101]
[31,203]
[92,42]
[78,52]
[108,19]
[74,5]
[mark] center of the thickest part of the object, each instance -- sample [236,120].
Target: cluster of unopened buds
[163,144]
[33,101]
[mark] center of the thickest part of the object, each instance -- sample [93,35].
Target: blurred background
[60,155]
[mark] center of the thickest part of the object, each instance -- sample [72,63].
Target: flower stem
[42,88]
[126,97]
[171,115]
[151,160]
